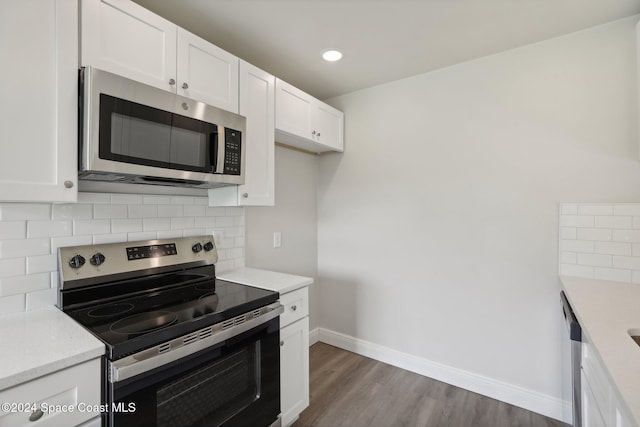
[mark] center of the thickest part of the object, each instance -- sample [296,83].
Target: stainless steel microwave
[132,132]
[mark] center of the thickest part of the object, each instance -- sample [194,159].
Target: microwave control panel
[232,151]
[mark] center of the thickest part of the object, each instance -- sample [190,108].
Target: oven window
[212,394]
[135,133]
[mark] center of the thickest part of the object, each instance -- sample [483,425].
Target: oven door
[234,383]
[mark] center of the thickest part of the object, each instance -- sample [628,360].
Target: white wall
[31,233]
[438,226]
[295,216]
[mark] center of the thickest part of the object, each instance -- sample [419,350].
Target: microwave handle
[219,151]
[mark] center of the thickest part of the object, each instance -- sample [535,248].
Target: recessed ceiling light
[331,55]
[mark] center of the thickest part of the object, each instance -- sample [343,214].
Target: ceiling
[382,40]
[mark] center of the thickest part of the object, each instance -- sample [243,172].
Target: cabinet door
[39,102]
[124,38]
[329,125]
[293,110]
[206,72]
[257,104]
[294,367]
[591,415]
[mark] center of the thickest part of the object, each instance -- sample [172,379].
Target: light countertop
[39,342]
[607,311]
[265,279]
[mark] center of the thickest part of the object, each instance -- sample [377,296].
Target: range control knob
[76,261]
[97,259]
[208,246]
[196,248]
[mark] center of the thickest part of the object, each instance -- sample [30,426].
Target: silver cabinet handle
[36,415]
[294,308]
[318,134]
[281,343]
[185,106]
[68,184]
[172,82]
[313,133]
[185,85]
[245,195]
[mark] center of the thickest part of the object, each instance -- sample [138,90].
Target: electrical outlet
[277,239]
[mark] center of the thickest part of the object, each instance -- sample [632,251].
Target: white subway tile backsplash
[41,299]
[126,225]
[613,274]
[626,262]
[91,226]
[24,247]
[577,270]
[143,211]
[606,242]
[568,209]
[568,233]
[13,230]
[612,248]
[60,242]
[625,222]
[156,224]
[109,238]
[626,209]
[109,211]
[577,221]
[577,246]
[24,211]
[49,228]
[72,211]
[24,284]
[195,210]
[595,210]
[12,304]
[599,234]
[42,264]
[626,235]
[595,260]
[182,223]
[144,235]
[12,267]
[170,210]
[126,199]
[30,235]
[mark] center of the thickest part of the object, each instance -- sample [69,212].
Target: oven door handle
[178,348]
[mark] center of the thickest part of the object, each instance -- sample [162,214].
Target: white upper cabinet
[124,38]
[257,97]
[206,72]
[305,122]
[38,106]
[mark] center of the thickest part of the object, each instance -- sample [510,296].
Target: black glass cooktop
[162,308]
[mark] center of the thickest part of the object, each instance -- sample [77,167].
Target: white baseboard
[314,336]
[509,393]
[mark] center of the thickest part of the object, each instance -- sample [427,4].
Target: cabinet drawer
[296,306]
[72,389]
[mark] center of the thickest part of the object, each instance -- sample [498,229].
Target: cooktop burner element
[139,296]
[111,310]
[144,322]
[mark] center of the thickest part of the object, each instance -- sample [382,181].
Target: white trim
[515,395]
[314,336]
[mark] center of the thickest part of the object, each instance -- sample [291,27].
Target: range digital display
[151,251]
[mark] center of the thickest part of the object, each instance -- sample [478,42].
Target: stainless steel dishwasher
[575,334]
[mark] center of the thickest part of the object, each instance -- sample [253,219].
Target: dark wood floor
[354,391]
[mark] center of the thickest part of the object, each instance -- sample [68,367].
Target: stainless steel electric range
[184,349]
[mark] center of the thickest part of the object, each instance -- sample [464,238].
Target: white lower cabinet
[294,355]
[61,399]
[601,406]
